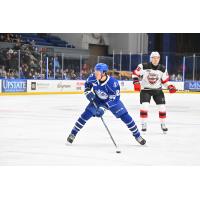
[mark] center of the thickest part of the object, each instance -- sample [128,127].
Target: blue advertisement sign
[14,85]
[192,85]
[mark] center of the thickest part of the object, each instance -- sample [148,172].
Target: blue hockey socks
[127,119]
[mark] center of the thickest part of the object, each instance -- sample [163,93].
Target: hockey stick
[117,149]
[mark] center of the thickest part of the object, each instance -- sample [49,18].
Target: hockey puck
[118,151]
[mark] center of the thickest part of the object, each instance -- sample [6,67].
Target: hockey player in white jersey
[148,78]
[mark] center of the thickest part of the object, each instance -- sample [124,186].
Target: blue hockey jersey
[107,92]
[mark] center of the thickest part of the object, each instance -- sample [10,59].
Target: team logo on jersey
[101,94]
[152,78]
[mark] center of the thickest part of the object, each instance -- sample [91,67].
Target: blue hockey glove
[90,95]
[99,112]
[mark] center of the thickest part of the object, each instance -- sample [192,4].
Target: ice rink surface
[34,129]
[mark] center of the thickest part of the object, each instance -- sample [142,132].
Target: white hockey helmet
[154,54]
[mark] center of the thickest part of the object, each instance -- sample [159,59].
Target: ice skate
[140,140]
[164,128]
[70,138]
[144,127]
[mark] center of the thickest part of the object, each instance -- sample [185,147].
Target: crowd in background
[10,37]
[32,67]
[24,61]
[10,66]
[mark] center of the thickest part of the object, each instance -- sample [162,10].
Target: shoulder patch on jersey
[115,84]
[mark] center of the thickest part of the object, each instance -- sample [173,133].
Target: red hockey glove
[137,86]
[172,88]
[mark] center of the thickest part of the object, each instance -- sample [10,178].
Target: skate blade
[68,144]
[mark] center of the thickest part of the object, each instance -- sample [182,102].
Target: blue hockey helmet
[102,67]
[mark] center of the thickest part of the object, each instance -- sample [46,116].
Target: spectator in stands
[32,43]
[56,62]
[72,74]
[179,77]
[173,77]
[86,70]
[66,74]
[3,73]
[17,45]
[7,39]
[2,38]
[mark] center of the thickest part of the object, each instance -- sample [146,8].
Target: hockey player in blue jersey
[103,92]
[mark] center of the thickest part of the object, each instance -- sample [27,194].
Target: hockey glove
[172,88]
[137,86]
[90,96]
[99,112]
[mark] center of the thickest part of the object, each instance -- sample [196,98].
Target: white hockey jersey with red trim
[150,76]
